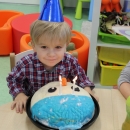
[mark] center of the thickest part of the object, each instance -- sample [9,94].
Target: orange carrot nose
[64,82]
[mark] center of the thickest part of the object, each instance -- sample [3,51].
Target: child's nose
[51,52]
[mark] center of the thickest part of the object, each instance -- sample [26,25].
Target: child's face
[49,53]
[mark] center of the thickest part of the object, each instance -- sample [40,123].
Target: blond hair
[51,31]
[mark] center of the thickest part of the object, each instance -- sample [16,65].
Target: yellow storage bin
[114,55]
[109,74]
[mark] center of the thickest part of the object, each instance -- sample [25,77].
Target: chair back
[15,58]
[6,33]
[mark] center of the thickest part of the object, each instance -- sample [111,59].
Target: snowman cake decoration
[62,105]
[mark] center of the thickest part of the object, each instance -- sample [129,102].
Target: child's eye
[44,47]
[58,47]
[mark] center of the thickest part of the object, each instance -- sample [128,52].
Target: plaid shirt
[30,69]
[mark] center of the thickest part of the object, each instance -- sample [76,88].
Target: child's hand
[19,103]
[90,92]
[96,97]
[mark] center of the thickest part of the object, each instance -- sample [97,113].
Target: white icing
[63,100]
[43,91]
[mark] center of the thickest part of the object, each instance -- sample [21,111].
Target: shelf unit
[95,42]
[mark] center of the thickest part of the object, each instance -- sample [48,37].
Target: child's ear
[33,46]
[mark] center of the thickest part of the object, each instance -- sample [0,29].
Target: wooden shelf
[100,43]
[95,41]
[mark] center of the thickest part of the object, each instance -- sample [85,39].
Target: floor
[4,60]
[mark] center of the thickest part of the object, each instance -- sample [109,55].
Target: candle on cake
[74,81]
[60,87]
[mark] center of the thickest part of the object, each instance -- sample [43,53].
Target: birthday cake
[62,107]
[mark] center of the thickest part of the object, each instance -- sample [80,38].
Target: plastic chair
[91,10]
[6,41]
[41,4]
[15,58]
[24,43]
[78,14]
[81,44]
[82,48]
[62,6]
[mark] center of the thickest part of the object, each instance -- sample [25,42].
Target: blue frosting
[64,111]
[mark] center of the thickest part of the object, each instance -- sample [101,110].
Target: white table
[112,113]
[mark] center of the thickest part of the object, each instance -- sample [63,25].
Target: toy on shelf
[115,5]
[110,5]
[106,6]
[109,64]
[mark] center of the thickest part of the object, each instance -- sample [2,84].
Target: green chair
[61,5]
[78,14]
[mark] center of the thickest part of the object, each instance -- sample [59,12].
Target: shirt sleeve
[15,81]
[83,80]
[124,75]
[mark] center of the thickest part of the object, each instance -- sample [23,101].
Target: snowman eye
[76,89]
[52,89]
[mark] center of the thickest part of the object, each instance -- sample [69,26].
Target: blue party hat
[51,11]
